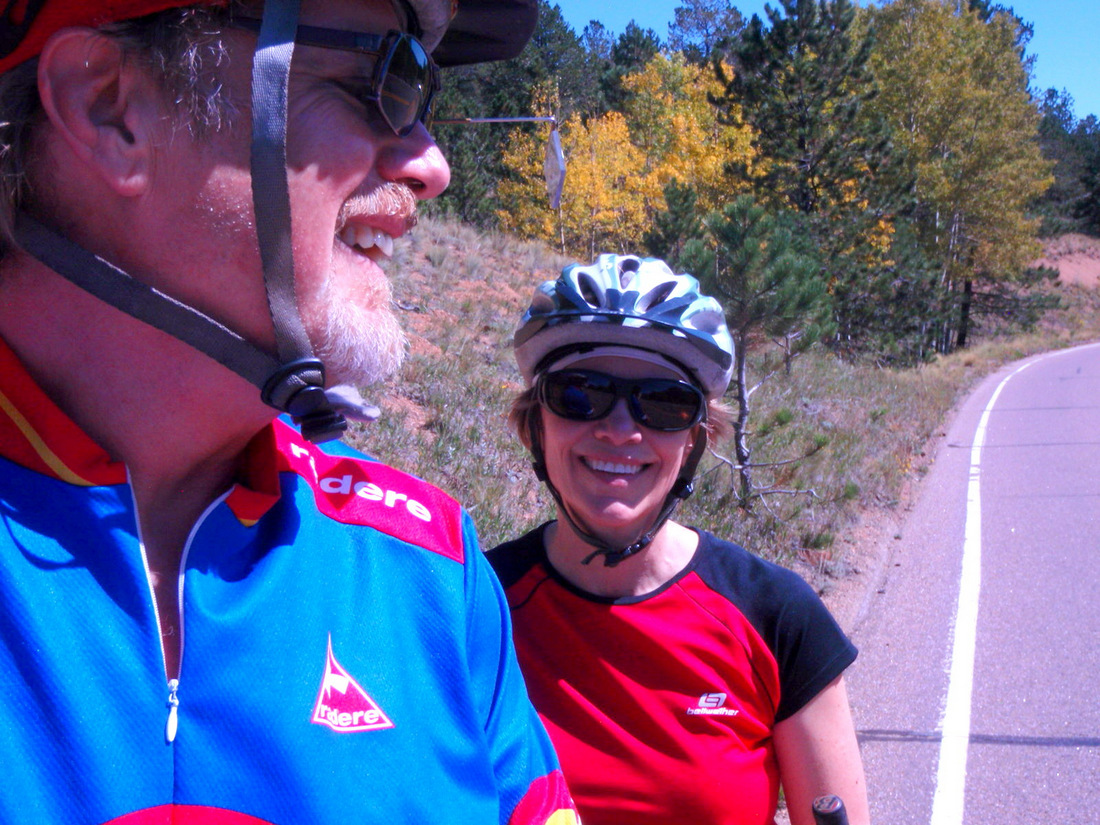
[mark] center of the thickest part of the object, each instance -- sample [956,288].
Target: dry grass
[460,294]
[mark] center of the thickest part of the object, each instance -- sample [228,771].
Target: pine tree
[672,228]
[1060,145]
[1087,139]
[634,48]
[700,27]
[750,262]
[803,83]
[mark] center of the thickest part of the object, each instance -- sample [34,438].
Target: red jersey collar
[37,435]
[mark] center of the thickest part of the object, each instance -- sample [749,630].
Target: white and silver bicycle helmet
[629,301]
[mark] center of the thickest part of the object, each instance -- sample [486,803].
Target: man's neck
[174,417]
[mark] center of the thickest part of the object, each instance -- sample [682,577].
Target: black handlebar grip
[829,810]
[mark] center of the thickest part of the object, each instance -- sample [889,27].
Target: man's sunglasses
[404,80]
[660,404]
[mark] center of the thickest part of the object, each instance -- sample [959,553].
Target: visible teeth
[611,467]
[367,238]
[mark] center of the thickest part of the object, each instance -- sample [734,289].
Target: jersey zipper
[172,724]
[173,715]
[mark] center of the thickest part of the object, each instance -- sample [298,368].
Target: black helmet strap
[300,378]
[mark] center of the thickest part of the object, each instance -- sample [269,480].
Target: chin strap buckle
[323,425]
[612,558]
[298,388]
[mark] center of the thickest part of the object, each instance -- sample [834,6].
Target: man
[205,617]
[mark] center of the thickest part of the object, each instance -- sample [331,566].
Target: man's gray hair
[183,47]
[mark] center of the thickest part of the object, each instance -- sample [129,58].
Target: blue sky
[1066,45]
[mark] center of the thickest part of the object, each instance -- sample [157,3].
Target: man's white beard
[359,346]
[364,346]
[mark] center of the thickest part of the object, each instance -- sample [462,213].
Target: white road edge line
[947,804]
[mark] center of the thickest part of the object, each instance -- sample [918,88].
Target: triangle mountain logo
[343,705]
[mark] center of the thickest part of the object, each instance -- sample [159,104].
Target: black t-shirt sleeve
[809,646]
[512,559]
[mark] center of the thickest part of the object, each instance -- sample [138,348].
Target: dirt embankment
[1076,257]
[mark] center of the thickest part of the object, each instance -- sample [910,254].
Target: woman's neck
[669,553]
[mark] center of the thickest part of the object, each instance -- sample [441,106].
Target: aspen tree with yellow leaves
[603,201]
[955,89]
[673,121]
[620,163]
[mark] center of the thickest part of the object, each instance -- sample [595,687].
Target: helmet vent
[655,297]
[590,290]
[628,268]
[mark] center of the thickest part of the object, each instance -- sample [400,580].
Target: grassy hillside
[460,295]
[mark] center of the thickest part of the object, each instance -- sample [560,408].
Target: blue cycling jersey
[344,657]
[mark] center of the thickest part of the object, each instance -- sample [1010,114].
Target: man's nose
[416,161]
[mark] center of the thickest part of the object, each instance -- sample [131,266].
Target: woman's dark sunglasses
[404,80]
[657,403]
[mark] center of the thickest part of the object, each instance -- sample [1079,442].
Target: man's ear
[101,105]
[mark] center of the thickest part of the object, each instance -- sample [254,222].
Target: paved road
[977,690]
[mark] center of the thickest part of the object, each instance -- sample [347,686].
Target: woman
[681,678]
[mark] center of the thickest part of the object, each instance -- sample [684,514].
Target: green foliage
[897,307]
[801,84]
[1088,207]
[955,89]
[1068,149]
[671,228]
[700,27]
[749,262]
[632,51]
